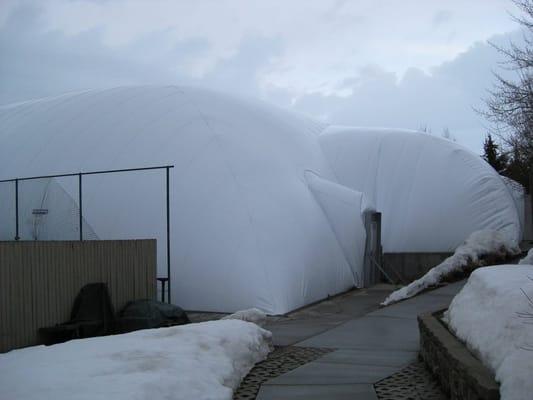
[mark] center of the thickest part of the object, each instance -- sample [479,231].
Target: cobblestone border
[461,375]
[414,382]
[278,362]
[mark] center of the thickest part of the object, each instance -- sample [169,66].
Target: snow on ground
[528,259]
[478,244]
[492,314]
[254,315]
[196,361]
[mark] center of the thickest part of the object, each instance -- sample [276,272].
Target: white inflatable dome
[266,206]
[432,192]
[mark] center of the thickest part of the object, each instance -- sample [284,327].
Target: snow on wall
[528,259]
[492,315]
[265,209]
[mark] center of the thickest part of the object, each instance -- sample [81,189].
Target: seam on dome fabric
[55,138]
[330,226]
[200,152]
[489,177]
[512,198]
[46,104]
[327,193]
[216,137]
[136,94]
[133,138]
[328,162]
[405,216]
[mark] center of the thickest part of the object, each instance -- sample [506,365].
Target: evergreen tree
[493,156]
[510,103]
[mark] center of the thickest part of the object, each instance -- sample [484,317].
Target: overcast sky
[370,63]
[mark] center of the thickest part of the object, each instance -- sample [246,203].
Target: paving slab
[371,343]
[450,289]
[411,308]
[326,315]
[290,331]
[324,373]
[352,304]
[371,333]
[317,392]
[388,358]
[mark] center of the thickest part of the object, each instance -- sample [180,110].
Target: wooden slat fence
[39,281]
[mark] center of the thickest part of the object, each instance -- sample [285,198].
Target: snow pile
[467,256]
[195,361]
[253,315]
[491,315]
[528,259]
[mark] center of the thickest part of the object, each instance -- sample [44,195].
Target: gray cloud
[446,98]
[441,17]
[240,73]
[37,62]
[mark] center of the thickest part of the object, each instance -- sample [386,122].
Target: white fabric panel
[246,231]
[519,196]
[344,209]
[432,192]
[249,226]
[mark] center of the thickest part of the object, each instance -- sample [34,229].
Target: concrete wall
[406,267]
[40,279]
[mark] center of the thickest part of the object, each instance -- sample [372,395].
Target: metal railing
[80,176]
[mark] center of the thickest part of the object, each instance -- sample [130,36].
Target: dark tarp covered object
[146,314]
[92,315]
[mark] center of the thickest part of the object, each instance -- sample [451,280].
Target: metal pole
[81,205]
[168,230]
[17,237]
[531,197]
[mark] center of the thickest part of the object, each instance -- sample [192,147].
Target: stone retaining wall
[462,376]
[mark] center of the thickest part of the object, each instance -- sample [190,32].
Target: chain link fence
[99,205]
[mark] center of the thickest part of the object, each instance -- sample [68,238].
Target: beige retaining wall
[40,279]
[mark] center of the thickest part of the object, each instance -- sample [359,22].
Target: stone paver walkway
[370,343]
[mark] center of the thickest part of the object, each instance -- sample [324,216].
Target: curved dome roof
[265,204]
[432,192]
[245,228]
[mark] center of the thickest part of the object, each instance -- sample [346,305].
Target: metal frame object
[80,199]
[373,262]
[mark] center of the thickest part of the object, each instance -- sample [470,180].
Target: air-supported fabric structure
[266,205]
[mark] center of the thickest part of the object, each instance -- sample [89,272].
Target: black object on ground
[147,314]
[92,315]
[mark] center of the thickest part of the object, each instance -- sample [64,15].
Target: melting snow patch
[492,314]
[467,255]
[528,259]
[196,361]
[254,315]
